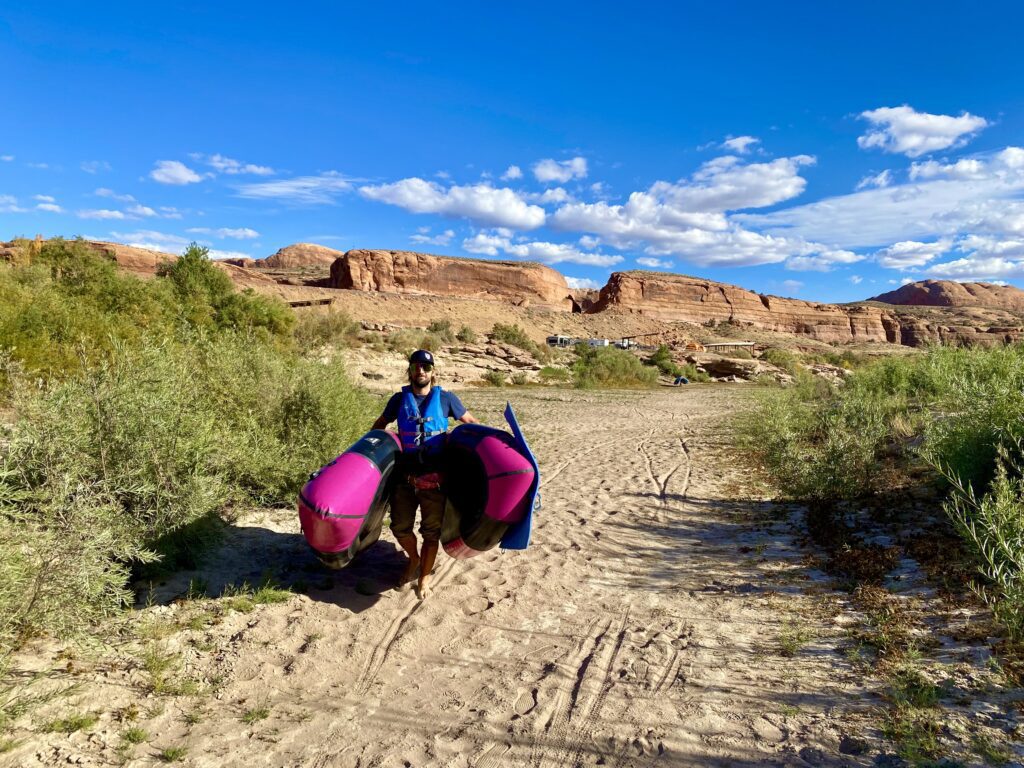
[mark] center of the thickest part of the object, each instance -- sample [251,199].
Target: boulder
[301,255]
[408,272]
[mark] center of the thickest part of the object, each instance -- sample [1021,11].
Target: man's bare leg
[427,557]
[412,569]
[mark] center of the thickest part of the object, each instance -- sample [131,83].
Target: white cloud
[50,208]
[7,158]
[856,279]
[648,261]
[444,238]
[479,202]
[548,253]
[140,210]
[152,240]
[173,172]
[220,255]
[241,233]
[968,168]
[94,166]
[902,130]
[879,180]
[555,195]
[170,213]
[823,260]
[590,243]
[792,285]
[548,170]
[512,173]
[302,190]
[910,253]
[232,167]
[44,198]
[907,281]
[741,144]
[9,204]
[104,192]
[101,213]
[40,166]
[582,283]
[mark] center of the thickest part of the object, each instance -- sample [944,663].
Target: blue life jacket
[422,434]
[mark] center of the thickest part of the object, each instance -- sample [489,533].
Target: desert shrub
[512,334]
[408,340]
[781,358]
[549,374]
[104,467]
[318,329]
[608,367]
[442,329]
[519,379]
[692,374]
[494,378]
[466,335]
[737,354]
[661,359]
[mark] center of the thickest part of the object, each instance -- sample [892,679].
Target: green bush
[494,378]
[781,358]
[661,359]
[319,329]
[408,340]
[608,367]
[466,335]
[512,334]
[549,374]
[519,379]
[442,329]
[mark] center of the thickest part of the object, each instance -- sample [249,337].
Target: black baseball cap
[421,356]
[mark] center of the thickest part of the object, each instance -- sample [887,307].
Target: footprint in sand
[475,605]
[525,702]
[492,757]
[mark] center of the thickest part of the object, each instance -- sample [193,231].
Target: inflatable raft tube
[489,484]
[342,507]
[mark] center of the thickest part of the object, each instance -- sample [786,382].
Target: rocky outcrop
[677,298]
[301,255]
[946,293]
[521,283]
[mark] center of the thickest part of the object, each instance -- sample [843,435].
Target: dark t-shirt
[450,405]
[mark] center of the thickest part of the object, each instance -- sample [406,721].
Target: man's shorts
[405,499]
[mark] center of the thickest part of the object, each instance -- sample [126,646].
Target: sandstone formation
[300,255]
[677,298]
[521,283]
[946,293]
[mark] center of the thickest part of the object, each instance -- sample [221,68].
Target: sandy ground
[642,627]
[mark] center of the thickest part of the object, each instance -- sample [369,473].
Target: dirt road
[660,617]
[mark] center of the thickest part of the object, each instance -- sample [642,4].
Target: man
[422,410]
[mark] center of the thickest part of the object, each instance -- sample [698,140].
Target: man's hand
[379,423]
[469,418]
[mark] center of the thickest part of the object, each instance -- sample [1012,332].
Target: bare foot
[422,590]
[412,570]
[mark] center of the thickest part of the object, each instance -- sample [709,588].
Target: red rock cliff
[946,293]
[693,300]
[408,272]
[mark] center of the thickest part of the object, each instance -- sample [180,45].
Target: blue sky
[796,149]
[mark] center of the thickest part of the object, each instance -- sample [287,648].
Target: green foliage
[661,359]
[71,723]
[549,374]
[466,335]
[408,340]
[781,358]
[172,754]
[442,329]
[517,337]
[495,378]
[519,379]
[610,368]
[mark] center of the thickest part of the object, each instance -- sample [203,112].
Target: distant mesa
[946,293]
[522,283]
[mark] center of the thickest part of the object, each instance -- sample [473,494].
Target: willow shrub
[610,368]
[101,467]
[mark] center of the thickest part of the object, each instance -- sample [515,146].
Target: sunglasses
[425,367]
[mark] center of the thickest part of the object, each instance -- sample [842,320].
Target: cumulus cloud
[94,166]
[240,233]
[740,144]
[512,173]
[548,253]
[981,196]
[904,131]
[220,255]
[986,269]
[554,195]
[821,259]
[589,242]
[152,240]
[582,283]
[301,190]
[100,213]
[423,237]
[480,203]
[143,211]
[232,167]
[879,180]
[173,172]
[910,253]
[856,279]
[792,285]
[649,261]
[9,204]
[561,171]
[44,198]
[49,208]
